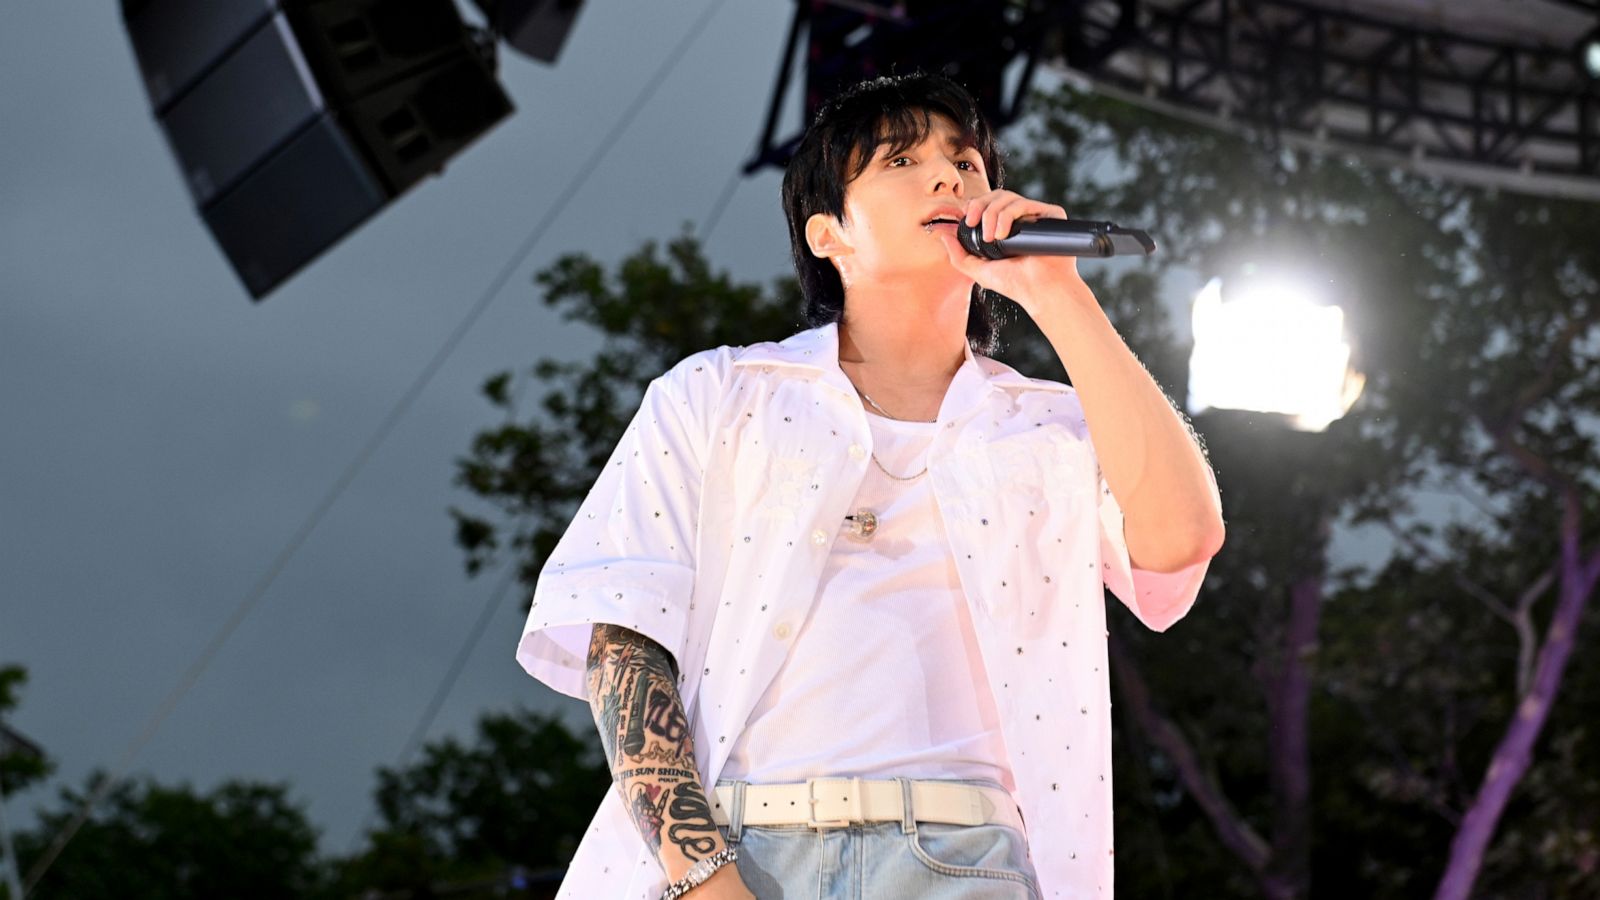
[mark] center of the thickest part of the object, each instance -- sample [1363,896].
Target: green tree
[22,762]
[1527,416]
[520,795]
[1427,660]
[147,840]
[1512,413]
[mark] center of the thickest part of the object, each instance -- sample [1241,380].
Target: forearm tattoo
[645,733]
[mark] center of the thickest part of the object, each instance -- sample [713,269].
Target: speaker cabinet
[294,121]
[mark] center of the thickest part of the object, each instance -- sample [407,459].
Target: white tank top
[885,677]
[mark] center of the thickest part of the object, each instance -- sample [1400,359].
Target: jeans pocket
[974,851]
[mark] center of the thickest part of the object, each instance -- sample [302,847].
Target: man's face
[887,207]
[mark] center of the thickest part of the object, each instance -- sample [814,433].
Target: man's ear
[824,236]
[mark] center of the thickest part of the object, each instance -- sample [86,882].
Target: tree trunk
[1282,869]
[1514,753]
[1289,744]
[1231,828]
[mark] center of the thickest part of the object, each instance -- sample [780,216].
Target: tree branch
[1234,832]
[1518,616]
[1397,756]
[1500,427]
[1467,585]
[1522,621]
[1514,752]
[1544,382]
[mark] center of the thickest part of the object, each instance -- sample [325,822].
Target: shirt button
[819,537]
[856,451]
[782,631]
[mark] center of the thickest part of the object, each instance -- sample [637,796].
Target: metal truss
[1358,80]
[1298,69]
[849,40]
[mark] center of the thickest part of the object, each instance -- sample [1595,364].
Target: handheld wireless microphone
[1058,237]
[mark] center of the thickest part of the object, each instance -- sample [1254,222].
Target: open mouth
[937,221]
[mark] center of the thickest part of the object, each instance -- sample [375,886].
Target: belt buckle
[812,800]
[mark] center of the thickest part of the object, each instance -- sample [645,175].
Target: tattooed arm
[633,691]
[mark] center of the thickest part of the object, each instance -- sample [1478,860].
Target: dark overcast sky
[163,437]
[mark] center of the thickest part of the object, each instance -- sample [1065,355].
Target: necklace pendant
[863,524]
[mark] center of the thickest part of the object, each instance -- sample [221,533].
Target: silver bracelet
[699,872]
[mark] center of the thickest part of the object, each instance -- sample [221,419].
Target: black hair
[896,110]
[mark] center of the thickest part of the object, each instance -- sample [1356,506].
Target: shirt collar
[818,349]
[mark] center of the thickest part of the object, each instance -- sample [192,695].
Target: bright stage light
[1271,348]
[1591,58]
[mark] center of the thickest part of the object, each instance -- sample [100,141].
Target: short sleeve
[628,556]
[1158,599]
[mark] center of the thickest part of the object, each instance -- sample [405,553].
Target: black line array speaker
[534,28]
[293,121]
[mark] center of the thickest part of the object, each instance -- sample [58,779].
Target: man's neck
[888,334]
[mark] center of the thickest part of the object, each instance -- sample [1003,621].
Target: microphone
[1058,237]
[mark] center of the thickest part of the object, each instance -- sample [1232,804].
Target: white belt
[837,802]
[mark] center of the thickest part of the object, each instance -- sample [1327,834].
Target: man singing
[837,602]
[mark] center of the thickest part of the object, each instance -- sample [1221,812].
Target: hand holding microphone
[1034,263]
[1058,237]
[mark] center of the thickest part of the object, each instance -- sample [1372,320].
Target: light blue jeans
[905,860]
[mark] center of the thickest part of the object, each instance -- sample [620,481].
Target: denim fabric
[883,861]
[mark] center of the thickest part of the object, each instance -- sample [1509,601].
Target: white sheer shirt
[711,524]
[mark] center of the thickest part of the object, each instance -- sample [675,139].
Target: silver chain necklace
[864,523]
[875,456]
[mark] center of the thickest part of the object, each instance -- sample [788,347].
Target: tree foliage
[147,840]
[520,795]
[22,763]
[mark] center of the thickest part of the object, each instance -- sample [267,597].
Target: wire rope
[710,222]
